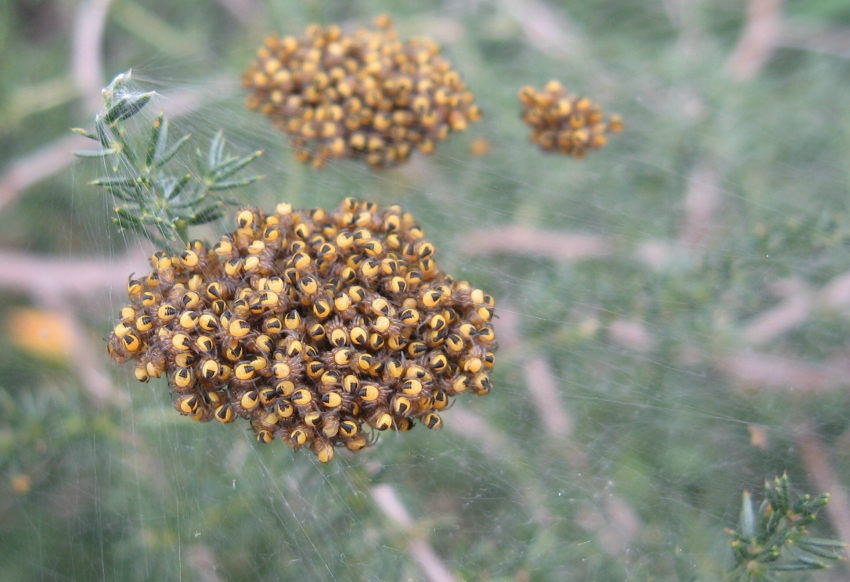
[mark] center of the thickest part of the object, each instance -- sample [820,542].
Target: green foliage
[152,199]
[133,491]
[774,539]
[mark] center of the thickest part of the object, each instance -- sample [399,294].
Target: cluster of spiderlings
[312,325]
[564,123]
[367,95]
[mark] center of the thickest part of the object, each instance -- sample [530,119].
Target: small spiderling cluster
[367,95]
[564,123]
[310,324]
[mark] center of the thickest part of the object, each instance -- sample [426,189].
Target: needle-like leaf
[159,203]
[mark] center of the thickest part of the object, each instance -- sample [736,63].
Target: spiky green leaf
[214,157]
[163,156]
[229,185]
[84,133]
[206,215]
[94,153]
[126,106]
[176,187]
[747,521]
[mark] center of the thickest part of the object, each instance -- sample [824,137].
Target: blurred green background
[673,310]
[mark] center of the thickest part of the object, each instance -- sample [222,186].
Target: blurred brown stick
[537,242]
[701,204]
[34,167]
[816,38]
[817,463]
[86,53]
[796,310]
[432,566]
[759,370]
[49,276]
[758,40]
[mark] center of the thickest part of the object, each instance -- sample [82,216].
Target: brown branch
[543,387]
[36,166]
[538,242]
[245,11]
[39,275]
[702,201]
[201,560]
[759,39]
[566,247]
[475,428]
[430,563]
[816,460]
[658,255]
[29,169]
[623,525]
[544,29]
[791,313]
[85,361]
[796,309]
[758,370]
[802,35]
[86,54]
[685,16]
[631,334]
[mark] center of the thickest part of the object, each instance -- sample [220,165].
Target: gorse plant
[317,327]
[306,324]
[774,539]
[153,197]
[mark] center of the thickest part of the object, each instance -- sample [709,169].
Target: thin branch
[546,393]
[622,526]
[548,244]
[819,468]
[758,40]
[36,274]
[201,560]
[245,11]
[701,204]
[685,16]
[502,450]
[808,36]
[796,309]
[791,313]
[568,247]
[475,428]
[631,334]
[86,53]
[157,32]
[758,370]
[430,563]
[86,363]
[29,169]
[544,29]
[543,387]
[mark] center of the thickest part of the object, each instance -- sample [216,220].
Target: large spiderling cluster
[367,95]
[564,123]
[310,324]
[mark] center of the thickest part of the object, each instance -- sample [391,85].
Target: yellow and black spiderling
[366,95]
[567,124]
[308,345]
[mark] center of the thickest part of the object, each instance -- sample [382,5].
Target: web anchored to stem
[154,199]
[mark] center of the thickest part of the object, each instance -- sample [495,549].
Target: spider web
[671,321]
